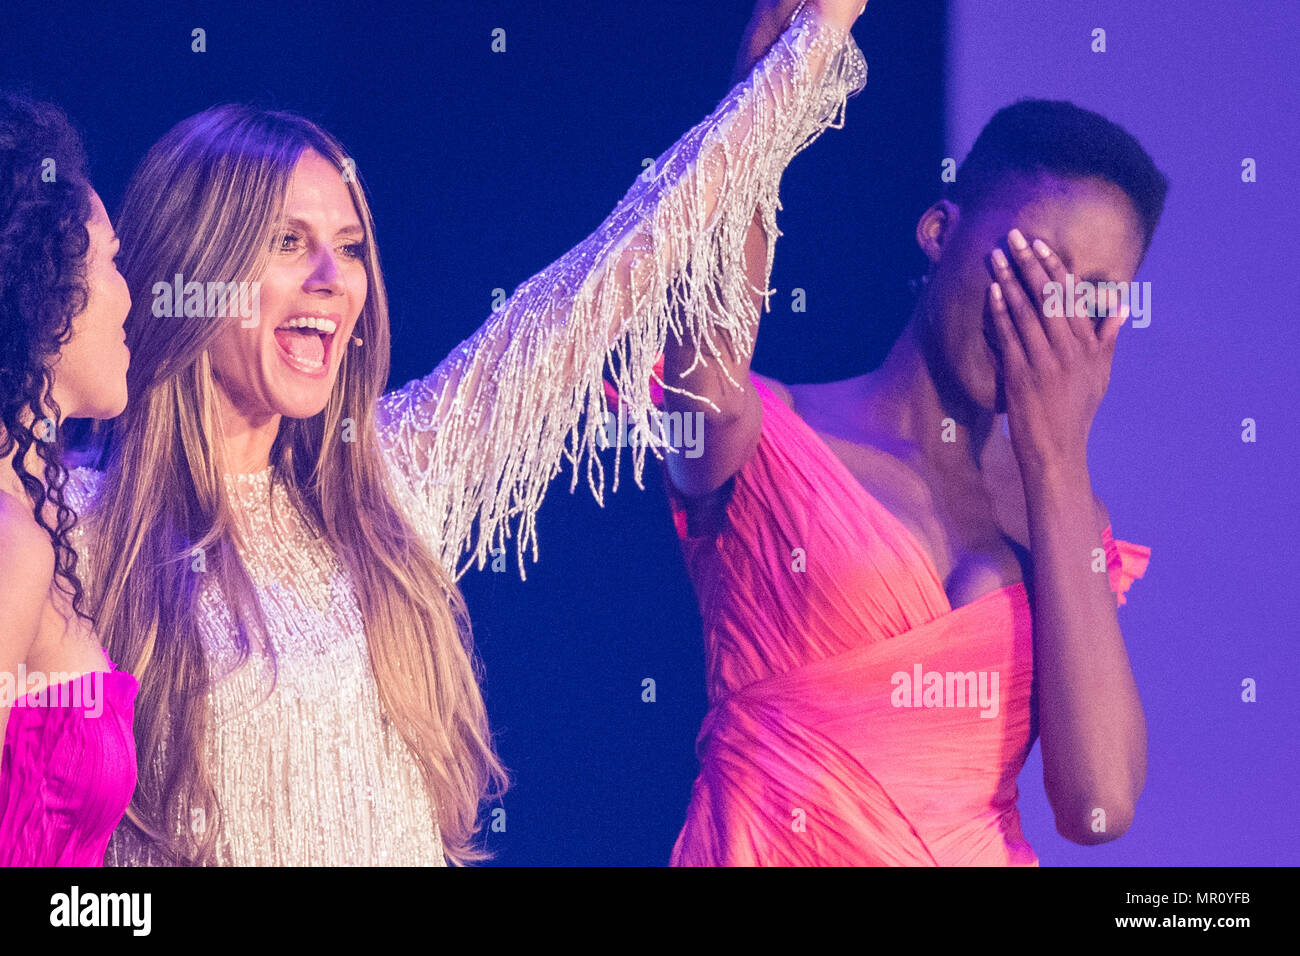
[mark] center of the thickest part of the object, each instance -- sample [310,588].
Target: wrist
[1056,477]
[1049,453]
[833,13]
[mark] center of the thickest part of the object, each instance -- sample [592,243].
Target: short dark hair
[1055,136]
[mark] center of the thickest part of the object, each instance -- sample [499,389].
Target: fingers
[1033,272]
[1024,314]
[1056,272]
[1050,261]
[1013,352]
[1108,331]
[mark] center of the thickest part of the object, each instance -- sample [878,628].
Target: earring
[356,341]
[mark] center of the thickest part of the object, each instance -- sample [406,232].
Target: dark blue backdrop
[483,168]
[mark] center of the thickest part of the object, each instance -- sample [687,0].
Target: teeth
[327,326]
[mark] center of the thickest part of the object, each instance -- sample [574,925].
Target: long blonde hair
[205,203]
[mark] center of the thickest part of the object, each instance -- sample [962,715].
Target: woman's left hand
[1055,368]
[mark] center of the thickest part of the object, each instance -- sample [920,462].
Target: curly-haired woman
[67,769]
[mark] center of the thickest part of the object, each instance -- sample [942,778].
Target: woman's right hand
[771,18]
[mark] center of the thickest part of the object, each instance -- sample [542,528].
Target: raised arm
[479,439]
[731,418]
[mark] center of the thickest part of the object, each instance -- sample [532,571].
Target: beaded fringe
[527,390]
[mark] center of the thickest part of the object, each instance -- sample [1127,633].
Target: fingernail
[1017,240]
[1000,259]
[1040,247]
[997,292]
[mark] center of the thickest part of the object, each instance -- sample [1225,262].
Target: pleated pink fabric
[69,771]
[814,600]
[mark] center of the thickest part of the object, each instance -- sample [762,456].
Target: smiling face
[90,370]
[1090,223]
[311,295]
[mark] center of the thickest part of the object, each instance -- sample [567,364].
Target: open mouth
[305,342]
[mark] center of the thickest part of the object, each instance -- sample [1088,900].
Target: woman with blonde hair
[274,545]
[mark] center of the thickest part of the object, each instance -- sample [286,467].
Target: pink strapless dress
[68,772]
[814,598]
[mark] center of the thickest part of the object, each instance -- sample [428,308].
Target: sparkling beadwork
[308,771]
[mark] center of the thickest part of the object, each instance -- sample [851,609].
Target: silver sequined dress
[307,772]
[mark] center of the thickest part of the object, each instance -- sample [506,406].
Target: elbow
[1096,803]
[1094,820]
[724,444]
[692,481]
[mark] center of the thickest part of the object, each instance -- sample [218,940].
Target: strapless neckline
[112,670]
[69,769]
[873,504]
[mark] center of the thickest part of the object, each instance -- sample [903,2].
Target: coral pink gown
[805,759]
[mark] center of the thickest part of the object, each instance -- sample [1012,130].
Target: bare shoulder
[25,548]
[26,569]
[776,388]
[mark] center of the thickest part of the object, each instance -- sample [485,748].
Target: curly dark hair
[44,207]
